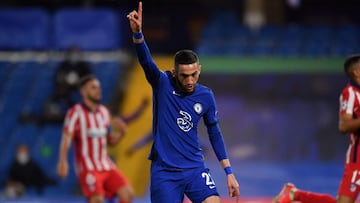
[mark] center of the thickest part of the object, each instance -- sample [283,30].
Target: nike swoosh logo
[175,93]
[212,186]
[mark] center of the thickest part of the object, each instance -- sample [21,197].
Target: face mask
[22,158]
[10,192]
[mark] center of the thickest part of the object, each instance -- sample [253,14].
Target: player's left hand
[233,187]
[135,18]
[119,124]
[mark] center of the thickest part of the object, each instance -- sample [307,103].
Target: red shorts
[350,182]
[105,183]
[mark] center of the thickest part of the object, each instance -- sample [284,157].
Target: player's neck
[92,106]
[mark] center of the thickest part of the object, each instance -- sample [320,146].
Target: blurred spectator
[254,15]
[66,78]
[24,173]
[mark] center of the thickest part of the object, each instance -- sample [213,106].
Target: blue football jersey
[176,117]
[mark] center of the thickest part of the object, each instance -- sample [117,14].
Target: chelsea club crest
[198,108]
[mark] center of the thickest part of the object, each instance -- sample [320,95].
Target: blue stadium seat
[41,89]
[342,48]
[8,123]
[345,40]
[89,29]
[264,41]
[5,70]
[23,29]
[317,40]
[347,33]
[314,48]
[46,152]
[288,47]
[209,49]
[11,100]
[46,148]
[290,41]
[25,133]
[108,73]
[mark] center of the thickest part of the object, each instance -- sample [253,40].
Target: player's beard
[183,88]
[94,99]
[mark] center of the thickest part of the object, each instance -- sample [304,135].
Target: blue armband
[137,35]
[228,170]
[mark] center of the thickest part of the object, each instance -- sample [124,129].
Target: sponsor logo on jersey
[184,122]
[97,132]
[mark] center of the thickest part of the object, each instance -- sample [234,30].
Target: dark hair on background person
[349,62]
[86,79]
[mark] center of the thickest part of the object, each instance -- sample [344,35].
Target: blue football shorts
[171,185]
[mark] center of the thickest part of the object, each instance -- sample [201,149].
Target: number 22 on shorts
[208,180]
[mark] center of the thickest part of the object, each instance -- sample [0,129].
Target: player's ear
[199,69]
[82,91]
[356,72]
[173,72]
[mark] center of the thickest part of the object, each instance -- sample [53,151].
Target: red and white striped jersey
[350,104]
[90,130]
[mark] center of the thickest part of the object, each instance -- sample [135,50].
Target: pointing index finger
[140,10]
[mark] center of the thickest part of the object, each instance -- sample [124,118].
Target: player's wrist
[137,35]
[228,170]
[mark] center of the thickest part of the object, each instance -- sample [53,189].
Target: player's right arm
[70,123]
[151,70]
[63,164]
[347,123]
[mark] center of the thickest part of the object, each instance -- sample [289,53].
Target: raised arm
[151,70]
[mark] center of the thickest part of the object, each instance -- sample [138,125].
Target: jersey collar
[353,83]
[88,108]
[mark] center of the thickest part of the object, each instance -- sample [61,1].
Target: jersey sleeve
[347,101]
[71,121]
[152,72]
[211,120]
[211,115]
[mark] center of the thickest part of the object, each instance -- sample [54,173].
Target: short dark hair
[85,79]
[349,62]
[185,56]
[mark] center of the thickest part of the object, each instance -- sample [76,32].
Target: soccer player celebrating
[349,122]
[89,125]
[179,103]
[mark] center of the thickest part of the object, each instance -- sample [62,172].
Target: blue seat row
[314,40]
[37,84]
[36,29]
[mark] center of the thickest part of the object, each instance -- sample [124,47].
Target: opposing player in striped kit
[349,123]
[89,124]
